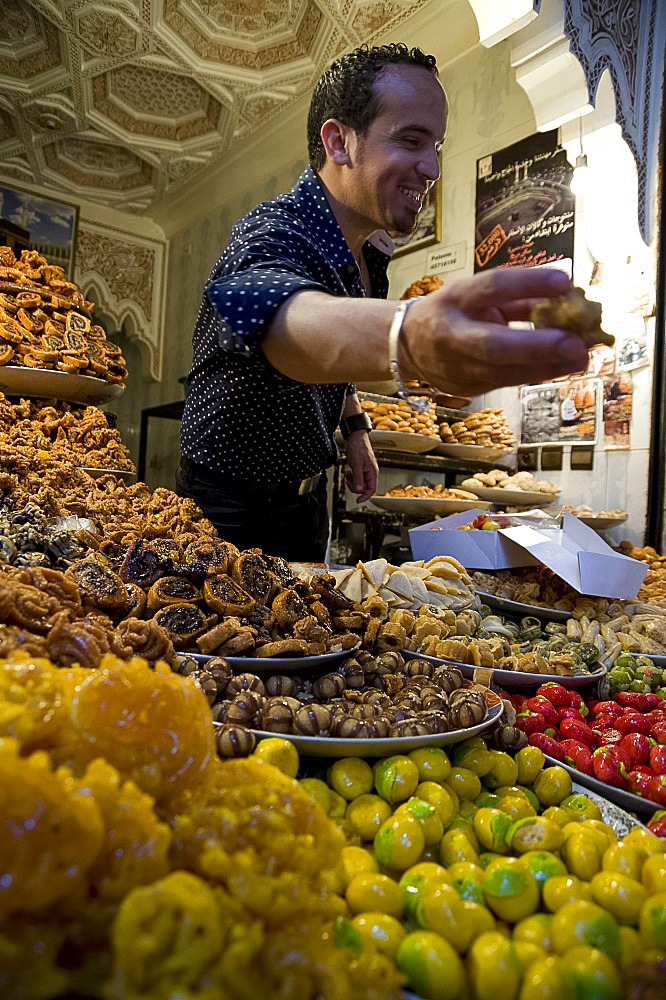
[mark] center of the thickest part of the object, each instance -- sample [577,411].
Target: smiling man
[295,310]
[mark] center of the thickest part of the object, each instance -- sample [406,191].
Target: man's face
[395,163]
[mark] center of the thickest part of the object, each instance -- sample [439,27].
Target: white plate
[599,522]
[634,803]
[426,505]
[44,382]
[332,746]
[402,441]
[514,608]
[515,678]
[516,498]
[483,454]
[97,473]
[274,664]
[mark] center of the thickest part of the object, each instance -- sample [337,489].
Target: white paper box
[575,552]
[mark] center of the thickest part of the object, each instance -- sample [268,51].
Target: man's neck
[353,229]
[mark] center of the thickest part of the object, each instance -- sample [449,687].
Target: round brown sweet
[244,682]
[219,710]
[281,684]
[351,728]
[329,686]
[312,719]
[409,727]
[448,678]
[416,668]
[207,683]
[277,715]
[353,673]
[220,670]
[245,709]
[234,741]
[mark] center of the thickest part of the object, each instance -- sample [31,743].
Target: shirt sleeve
[258,273]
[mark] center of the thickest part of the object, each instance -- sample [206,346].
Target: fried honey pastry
[61,833]
[249,570]
[151,724]
[143,565]
[80,641]
[575,313]
[184,622]
[172,590]
[288,607]
[27,607]
[99,587]
[208,557]
[135,637]
[227,597]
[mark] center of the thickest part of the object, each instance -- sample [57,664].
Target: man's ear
[334,136]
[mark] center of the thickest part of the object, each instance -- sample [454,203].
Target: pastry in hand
[575,313]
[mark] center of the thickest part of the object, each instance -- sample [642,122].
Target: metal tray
[512,678]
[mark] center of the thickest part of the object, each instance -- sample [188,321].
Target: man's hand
[457,338]
[362,468]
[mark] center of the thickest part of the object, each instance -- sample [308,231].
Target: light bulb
[580,176]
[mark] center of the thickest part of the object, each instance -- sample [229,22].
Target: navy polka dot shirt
[242,417]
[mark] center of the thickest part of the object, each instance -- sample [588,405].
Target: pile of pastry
[503,480]
[58,431]
[45,322]
[400,416]
[438,492]
[486,428]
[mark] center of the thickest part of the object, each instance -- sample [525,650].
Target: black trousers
[273,518]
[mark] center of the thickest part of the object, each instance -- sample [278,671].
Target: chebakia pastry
[575,313]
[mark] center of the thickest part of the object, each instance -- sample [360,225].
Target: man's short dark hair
[346,90]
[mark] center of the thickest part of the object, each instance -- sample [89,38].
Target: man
[295,310]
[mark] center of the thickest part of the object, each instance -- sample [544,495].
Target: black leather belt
[193,472]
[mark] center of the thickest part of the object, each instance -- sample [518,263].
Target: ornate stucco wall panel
[124,275]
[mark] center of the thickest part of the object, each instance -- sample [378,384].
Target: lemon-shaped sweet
[632,946]
[652,922]
[444,800]
[399,842]
[356,861]
[455,846]
[494,967]
[528,952]
[491,827]
[582,923]
[543,980]
[414,878]
[366,814]
[374,891]
[338,805]
[432,762]
[431,966]
[350,777]
[534,833]
[625,858]
[441,909]
[280,753]
[544,865]
[466,879]
[385,931]
[515,806]
[562,889]
[510,890]
[552,785]
[537,929]
[503,771]
[465,783]
[318,791]
[590,973]
[396,778]
[644,839]
[619,894]
[653,873]
[529,761]
[426,814]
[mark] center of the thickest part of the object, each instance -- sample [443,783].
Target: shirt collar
[309,195]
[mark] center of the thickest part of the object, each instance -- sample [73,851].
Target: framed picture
[428,225]
[560,412]
[32,222]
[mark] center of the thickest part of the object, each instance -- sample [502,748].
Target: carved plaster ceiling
[119,101]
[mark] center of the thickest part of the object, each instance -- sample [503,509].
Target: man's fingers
[501,286]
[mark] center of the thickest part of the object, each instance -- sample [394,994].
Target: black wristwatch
[357,422]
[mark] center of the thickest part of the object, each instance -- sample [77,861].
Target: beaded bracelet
[420,403]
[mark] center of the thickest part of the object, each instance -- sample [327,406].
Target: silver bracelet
[420,403]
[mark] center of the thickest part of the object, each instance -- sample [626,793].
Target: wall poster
[560,412]
[524,206]
[30,222]
[617,406]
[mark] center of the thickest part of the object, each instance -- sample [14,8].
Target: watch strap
[357,422]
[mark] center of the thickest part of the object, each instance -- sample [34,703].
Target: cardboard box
[574,551]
